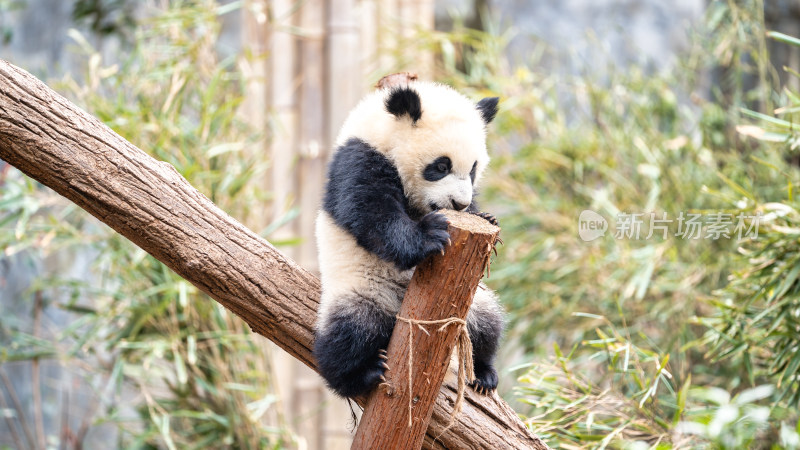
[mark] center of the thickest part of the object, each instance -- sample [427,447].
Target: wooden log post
[397,413]
[56,143]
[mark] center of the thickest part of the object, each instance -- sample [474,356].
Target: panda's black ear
[488,108]
[404,100]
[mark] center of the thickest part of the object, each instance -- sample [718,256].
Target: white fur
[450,125]
[451,187]
[346,267]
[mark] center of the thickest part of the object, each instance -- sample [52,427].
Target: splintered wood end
[469,222]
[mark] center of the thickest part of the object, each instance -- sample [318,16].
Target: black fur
[438,169]
[485,335]
[404,100]
[486,378]
[473,172]
[488,108]
[365,196]
[347,350]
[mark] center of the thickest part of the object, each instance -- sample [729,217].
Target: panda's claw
[387,387]
[383,356]
[485,381]
[479,389]
[384,365]
[488,217]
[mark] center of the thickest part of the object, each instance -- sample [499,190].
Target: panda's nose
[459,206]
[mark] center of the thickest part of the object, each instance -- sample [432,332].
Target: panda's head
[435,136]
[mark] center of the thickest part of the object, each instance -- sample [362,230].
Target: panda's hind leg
[485,323]
[350,345]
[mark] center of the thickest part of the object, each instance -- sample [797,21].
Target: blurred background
[618,106]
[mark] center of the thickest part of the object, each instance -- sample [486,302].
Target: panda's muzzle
[459,206]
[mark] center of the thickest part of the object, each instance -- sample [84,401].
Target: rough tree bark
[441,289]
[147,201]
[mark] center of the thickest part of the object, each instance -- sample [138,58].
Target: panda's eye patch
[438,169]
[473,171]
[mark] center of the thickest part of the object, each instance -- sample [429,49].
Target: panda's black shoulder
[359,172]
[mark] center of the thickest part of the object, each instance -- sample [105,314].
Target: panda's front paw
[433,233]
[489,217]
[428,236]
[485,379]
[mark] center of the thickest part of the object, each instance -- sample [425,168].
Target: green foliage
[203,380]
[757,323]
[630,155]
[7,6]
[634,312]
[735,31]
[103,17]
[106,17]
[570,407]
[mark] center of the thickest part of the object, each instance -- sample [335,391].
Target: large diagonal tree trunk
[148,202]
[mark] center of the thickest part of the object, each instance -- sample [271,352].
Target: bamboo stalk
[369,32]
[12,427]
[343,86]
[23,422]
[307,391]
[389,11]
[312,139]
[36,383]
[425,20]
[283,104]
[255,70]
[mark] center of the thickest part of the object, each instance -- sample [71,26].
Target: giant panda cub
[402,154]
